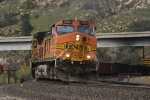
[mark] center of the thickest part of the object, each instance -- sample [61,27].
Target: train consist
[67,52]
[119,68]
[1,68]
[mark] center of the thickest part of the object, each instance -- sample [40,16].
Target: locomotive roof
[39,35]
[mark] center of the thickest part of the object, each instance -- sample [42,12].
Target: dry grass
[143,80]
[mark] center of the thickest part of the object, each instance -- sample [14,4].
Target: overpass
[123,39]
[15,43]
[104,40]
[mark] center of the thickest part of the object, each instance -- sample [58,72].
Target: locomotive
[66,52]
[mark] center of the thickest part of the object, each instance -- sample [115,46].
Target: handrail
[61,54]
[96,60]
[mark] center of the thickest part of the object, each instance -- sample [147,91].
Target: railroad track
[107,84]
[1,88]
[49,90]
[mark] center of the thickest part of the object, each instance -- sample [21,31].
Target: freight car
[67,52]
[145,61]
[142,69]
[1,68]
[112,68]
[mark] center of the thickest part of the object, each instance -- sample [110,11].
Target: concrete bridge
[123,39]
[15,43]
[104,40]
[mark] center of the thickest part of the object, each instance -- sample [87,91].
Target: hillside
[122,21]
[107,15]
[43,13]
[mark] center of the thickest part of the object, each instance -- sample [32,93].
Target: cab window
[86,30]
[61,30]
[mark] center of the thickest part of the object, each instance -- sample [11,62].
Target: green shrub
[1,1]
[64,4]
[87,6]
[9,19]
[2,80]
[20,73]
[139,26]
[94,6]
[12,80]
[36,16]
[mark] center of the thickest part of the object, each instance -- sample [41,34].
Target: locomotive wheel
[66,71]
[66,77]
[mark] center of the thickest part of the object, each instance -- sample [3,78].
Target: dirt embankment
[143,80]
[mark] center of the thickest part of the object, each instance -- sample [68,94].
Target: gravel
[47,91]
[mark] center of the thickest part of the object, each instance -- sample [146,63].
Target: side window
[34,44]
[52,30]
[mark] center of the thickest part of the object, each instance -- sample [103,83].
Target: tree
[8,19]
[26,27]
[31,4]
[2,0]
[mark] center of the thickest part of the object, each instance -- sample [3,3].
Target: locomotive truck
[67,52]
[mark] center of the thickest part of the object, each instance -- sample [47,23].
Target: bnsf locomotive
[67,52]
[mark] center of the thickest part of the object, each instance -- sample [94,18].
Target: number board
[67,21]
[83,22]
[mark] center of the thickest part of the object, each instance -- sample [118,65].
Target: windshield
[86,30]
[65,29]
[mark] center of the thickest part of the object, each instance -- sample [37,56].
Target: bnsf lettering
[79,47]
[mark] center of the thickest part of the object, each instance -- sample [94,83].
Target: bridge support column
[143,52]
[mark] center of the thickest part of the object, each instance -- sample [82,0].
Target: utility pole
[143,52]
[9,74]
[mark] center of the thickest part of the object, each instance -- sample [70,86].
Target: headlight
[88,56]
[77,37]
[67,55]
